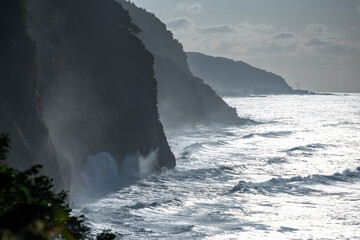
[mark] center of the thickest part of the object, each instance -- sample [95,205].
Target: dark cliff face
[20,113]
[183,99]
[227,76]
[97,80]
[94,80]
[174,107]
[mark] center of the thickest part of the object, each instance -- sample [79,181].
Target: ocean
[294,174]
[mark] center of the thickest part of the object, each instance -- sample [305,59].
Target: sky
[315,43]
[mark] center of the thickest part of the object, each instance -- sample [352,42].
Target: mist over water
[295,175]
[102,174]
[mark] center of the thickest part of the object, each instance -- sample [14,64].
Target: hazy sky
[314,42]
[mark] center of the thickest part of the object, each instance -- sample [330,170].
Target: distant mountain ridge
[182,98]
[229,77]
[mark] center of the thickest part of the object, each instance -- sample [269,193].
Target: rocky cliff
[183,99]
[20,112]
[83,73]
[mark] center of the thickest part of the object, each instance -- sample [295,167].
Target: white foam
[102,173]
[148,164]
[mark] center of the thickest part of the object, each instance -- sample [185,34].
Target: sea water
[295,174]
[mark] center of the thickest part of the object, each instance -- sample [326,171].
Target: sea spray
[148,164]
[102,173]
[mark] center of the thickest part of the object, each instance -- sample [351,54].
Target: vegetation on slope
[31,209]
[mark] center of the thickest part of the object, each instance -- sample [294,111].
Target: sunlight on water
[295,175]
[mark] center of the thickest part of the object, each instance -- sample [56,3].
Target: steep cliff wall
[20,113]
[94,80]
[235,77]
[183,99]
[98,82]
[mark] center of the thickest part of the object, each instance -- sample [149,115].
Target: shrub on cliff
[30,209]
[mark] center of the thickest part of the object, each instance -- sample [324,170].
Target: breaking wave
[102,173]
[268,134]
[308,148]
[141,205]
[295,185]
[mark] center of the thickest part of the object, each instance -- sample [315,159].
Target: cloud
[283,35]
[194,8]
[262,42]
[191,8]
[226,46]
[180,6]
[315,42]
[333,46]
[180,23]
[274,48]
[340,49]
[316,29]
[262,27]
[358,8]
[352,29]
[222,29]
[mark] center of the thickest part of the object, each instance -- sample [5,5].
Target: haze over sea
[293,175]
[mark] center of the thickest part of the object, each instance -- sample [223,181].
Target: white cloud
[191,8]
[180,23]
[221,29]
[316,29]
[194,8]
[340,50]
[315,42]
[331,46]
[258,28]
[227,47]
[283,35]
[180,6]
[358,8]
[273,48]
[259,42]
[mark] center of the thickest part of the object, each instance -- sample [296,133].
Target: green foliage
[29,207]
[4,145]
